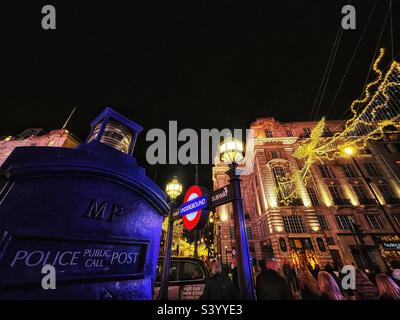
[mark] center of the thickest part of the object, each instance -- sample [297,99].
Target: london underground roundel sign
[197,218]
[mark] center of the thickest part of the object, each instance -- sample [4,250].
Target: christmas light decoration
[370,115]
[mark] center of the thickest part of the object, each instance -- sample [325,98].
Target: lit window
[269,133]
[313,197]
[374,221]
[349,170]
[361,195]
[325,171]
[50,143]
[293,224]
[372,170]
[344,221]
[322,222]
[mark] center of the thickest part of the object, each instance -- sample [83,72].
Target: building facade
[36,137]
[319,226]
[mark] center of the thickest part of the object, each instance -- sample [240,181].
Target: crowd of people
[306,283]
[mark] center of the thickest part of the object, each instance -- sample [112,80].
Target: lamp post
[232,152]
[173,190]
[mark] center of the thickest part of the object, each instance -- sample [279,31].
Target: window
[313,197]
[322,222]
[275,154]
[269,133]
[173,271]
[50,143]
[335,194]
[327,132]
[279,172]
[307,132]
[190,271]
[392,147]
[249,233]
[372,170]
[232,231]
[330,241]
[286,189]
[361,195]
[282,244]
[293,224]
[344,222]
[397,218]
[349,170]
[321,244]
[325,171]
[374,221]
[289,133]
[386,192]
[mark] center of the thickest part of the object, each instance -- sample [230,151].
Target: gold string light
[318,149]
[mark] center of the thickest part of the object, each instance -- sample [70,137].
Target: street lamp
[173,189]
[232,153]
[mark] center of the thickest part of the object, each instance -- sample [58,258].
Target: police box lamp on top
[114,130]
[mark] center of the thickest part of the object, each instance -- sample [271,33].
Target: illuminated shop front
[302,252]
[389,247]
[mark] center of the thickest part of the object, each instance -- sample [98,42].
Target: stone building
[320,226]
[36,137]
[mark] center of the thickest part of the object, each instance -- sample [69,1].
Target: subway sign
[193,210]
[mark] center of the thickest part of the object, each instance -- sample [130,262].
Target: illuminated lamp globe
[231,150]
[349,151]
[173,188]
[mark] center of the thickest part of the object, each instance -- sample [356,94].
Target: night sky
[206,64]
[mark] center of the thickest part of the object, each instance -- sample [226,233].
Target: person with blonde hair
[328,287]
[308,285]
[388,289]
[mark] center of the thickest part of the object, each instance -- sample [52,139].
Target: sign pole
[163,293]
[245,276]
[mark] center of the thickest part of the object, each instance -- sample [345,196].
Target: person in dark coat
[309,286]
[270,285]
[219,286]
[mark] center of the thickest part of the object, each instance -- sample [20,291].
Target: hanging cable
[353,56]
[333,50]
[391,27]
[370,68]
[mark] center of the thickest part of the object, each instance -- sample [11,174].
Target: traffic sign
[192,211]
[220,196]
[192,206]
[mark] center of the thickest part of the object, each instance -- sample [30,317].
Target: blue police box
[91,212]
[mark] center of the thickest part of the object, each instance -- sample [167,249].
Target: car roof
[184,258]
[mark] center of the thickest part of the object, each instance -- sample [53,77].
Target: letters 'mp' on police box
[90,212]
